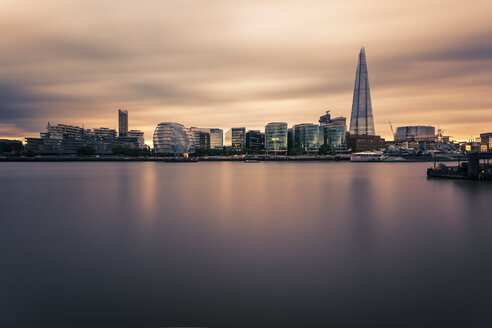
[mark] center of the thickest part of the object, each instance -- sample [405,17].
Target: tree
[86,151]
[323,150]
[121,150]
[294,152]
[29,153]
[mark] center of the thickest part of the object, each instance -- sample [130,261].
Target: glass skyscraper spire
[361,121]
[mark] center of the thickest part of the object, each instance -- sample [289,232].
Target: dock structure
[477,167]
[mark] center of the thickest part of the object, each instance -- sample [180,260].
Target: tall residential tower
[361,121]
[122,122]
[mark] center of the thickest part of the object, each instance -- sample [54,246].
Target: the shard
[361,121]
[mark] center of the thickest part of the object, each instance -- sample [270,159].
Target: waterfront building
[105,133]
[486,141]
[139,135]
[10,147]
[235,138]
[255,140]
[276,138]
[201,137]
[361,121]
[65,129]
[122,122]
[216,137]
[127,141]
[308,137]
[173,139]
[63,139]
[290,138]
[336,137]
[415,133]
[335,133]
[204,140]
[361,143]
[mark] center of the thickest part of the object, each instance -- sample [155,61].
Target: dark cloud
[227,63]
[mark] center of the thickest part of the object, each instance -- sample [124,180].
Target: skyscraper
[122,122]
[361,122]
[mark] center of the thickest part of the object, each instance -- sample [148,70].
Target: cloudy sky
[243,63]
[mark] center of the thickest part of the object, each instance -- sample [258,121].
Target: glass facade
[308,137]
[276,136]
[336,138]
[254,140]
[361,121]
[172,139]
[405,133]
[236,138]
[216,137]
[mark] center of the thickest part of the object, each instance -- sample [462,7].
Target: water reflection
[228,244]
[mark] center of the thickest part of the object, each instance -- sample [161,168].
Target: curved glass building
[172,139]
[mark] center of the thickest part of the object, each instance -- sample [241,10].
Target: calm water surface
[242,245]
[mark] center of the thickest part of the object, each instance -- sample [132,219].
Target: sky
[243,63]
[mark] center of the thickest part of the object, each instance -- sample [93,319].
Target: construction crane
[392,131]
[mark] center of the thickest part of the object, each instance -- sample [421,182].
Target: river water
[226,244]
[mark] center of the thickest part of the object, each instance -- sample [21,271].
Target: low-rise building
[139,135]
[360,142]
[10,147]
[486,141]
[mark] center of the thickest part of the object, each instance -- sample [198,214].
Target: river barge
[477,167]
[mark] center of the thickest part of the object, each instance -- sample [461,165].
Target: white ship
[368,156]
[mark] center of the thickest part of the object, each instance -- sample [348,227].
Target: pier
[477,167]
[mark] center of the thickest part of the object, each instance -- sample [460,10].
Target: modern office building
[255,140]
[486,141]
[308,137]
[216,137]
[276,137]
[336,137]
[415,133]
[361,121]
[139,135]
[235,138]
[204,140]
[122,122]
[335,133]
[172,139]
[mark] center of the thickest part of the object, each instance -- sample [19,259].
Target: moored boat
[368,156]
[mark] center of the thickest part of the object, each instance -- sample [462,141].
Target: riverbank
[235,158]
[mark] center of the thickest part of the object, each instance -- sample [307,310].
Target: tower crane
[392,131]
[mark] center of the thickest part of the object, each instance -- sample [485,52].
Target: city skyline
[242,64]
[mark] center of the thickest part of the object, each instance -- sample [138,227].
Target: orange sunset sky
[243,63]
